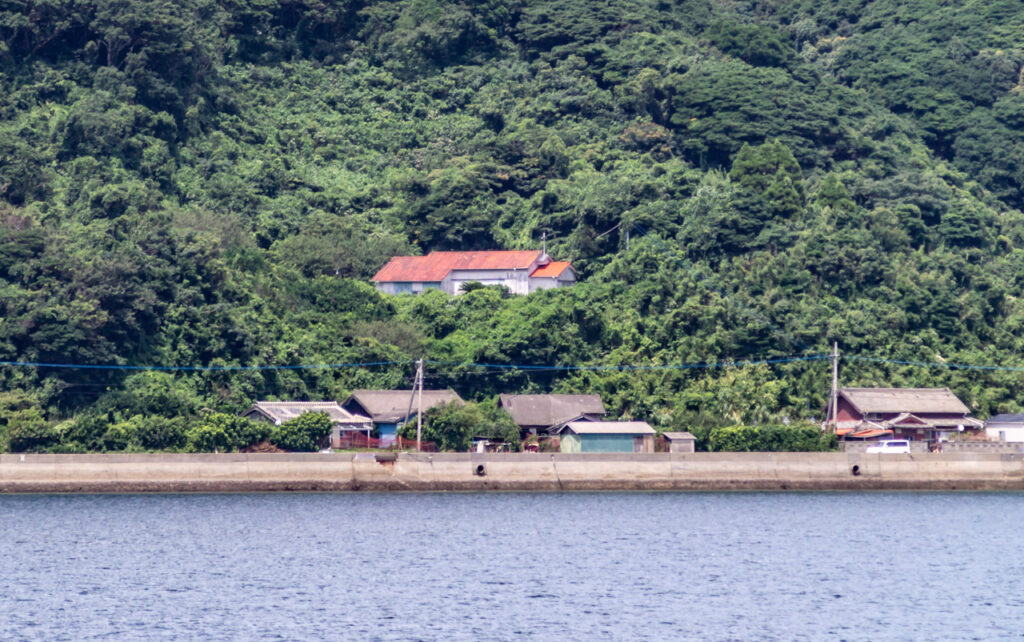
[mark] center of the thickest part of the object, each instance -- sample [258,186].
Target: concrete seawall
[525,471]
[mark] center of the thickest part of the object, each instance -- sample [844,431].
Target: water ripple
[513,566]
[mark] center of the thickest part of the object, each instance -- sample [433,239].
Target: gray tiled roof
[550,410]
[392,405]
[913,400]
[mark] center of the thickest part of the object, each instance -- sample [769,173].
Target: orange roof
[435,266]
[553,269]
[871,432]
[843,431]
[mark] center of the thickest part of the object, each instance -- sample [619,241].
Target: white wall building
[1008,428]
[521,271]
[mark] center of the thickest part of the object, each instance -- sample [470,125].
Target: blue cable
[679,366]
[78,366]
[514,366]
[925,364]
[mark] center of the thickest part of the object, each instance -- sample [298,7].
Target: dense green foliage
[770,439]
[306,433]
[202,183]
[222,432]
[453,427]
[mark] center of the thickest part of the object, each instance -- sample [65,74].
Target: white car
[897,446]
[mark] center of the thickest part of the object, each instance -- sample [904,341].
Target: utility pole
[408,413]
[544,243]
[419,410]
[835,385]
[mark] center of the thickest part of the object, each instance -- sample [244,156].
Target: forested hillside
[200,184]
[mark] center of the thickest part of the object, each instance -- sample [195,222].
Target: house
[901,413]
[278,412]
[1008,428]
[545,414]
[390,409]
[607,437]
[679,442]
[521,271]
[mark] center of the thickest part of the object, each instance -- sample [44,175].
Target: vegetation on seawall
[211,184]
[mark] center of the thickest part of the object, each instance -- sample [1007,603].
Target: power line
[316,366]
[491,366]
[522,367]
[936,364]
[676,366]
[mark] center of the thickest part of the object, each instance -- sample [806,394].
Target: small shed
[1009,428]
[607,437]
[679,442]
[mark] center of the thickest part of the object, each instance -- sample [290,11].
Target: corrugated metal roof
[913,400]
[282,411]
[391,405]
[549,410]
[552,270]
[435,266]
[677,435]
[608,428]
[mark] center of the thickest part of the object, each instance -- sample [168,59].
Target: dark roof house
[547,413]
[904,413]
[392,406]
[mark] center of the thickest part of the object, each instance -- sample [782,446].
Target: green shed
[607,437]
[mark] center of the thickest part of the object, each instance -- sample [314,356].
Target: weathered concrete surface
[525,471]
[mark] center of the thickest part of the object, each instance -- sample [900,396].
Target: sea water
[546,566]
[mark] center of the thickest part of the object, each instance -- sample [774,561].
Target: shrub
[305,433]
[770,439]
[29,432]
[145,432]
[221,432]
[158,433]
[453,427]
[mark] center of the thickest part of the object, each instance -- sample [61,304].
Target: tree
[306,433]
[770,438]
[28,431]
[757,44]
[833,194]
[143,432]
[221,432]
[452,426]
